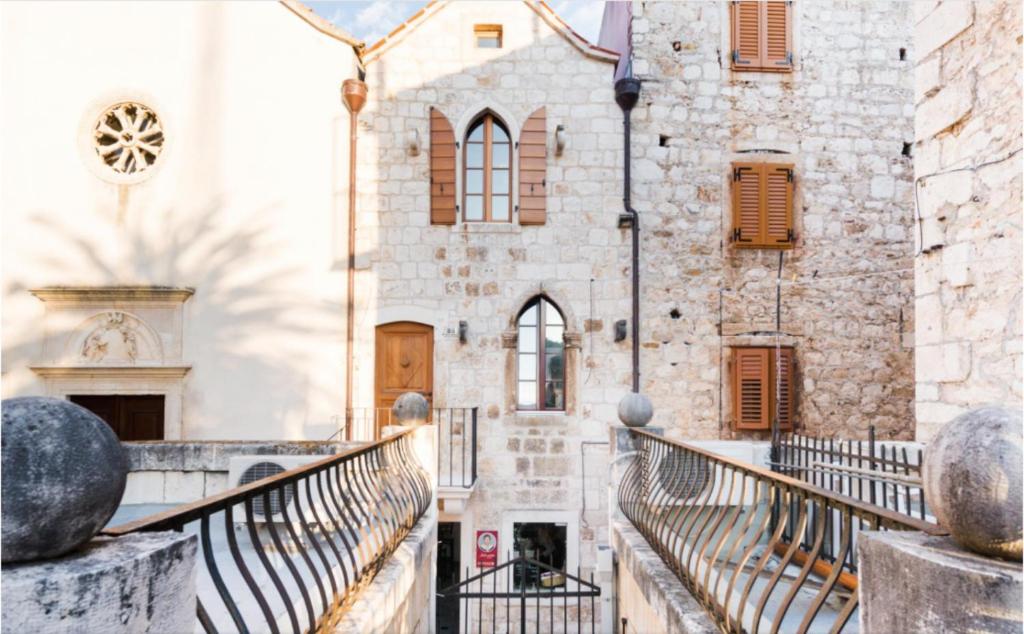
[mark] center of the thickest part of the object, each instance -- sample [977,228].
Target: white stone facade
[842,117]
[968,172]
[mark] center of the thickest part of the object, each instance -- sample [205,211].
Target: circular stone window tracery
[128,138]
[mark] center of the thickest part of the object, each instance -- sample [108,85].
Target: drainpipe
[627,92]
[353,93]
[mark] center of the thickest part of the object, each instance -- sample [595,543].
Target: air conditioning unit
[683,478]
[243,470]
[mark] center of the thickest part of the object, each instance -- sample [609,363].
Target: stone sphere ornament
[635,410]
[64,472]
[411,408]
[972,480]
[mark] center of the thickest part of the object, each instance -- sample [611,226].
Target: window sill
[762,247]
[761,69]
[489,227]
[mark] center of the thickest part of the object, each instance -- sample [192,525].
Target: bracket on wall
[625,221]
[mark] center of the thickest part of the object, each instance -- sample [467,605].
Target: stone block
[181,487]
[144,487]
[941,25]
[145,582]
[950,105]
[943,363]
[913,582]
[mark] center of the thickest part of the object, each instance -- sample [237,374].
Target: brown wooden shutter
[778,205]
[533,164]
[750,388]
[775,54]
[442,170]
[747,204]
[782,388]
[746,34]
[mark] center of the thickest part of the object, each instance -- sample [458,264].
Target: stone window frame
[573,344]
[513,125]
[542,303]
[87,129]
[488,119]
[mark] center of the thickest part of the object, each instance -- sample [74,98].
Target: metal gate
[524,595]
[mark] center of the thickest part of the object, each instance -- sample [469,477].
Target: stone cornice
[114,371]
[111,294]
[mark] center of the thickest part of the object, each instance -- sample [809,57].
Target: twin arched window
[488,171]
[540,357]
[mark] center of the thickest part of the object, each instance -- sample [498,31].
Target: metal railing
[720,523]
[456,446]
[291,551]
[362,423]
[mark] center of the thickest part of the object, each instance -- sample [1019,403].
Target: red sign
[486,549]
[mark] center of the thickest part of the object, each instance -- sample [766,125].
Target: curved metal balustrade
[721,525]
[290,552]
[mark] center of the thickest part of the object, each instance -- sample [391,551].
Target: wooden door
[405,363]
[131,416]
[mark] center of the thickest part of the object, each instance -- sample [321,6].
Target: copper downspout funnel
[353,93]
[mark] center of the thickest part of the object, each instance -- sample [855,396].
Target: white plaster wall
[246,204]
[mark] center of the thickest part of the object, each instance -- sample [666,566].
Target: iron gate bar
[591,591]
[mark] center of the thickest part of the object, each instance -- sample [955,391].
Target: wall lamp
[412,142]
[560,138]
[463,331]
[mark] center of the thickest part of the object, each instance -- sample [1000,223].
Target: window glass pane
[554,395]
[499,155]
[528,339]
[527,394]
[474,207]
[500,208]
[527,367]
[499,181]
[499,135]
[551,315]
[529,316]
[554,367]
[474,181]
[474,155]
[477,133]
[553,338]
[488,40]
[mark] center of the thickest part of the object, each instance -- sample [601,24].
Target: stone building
[968,229]
[835,109]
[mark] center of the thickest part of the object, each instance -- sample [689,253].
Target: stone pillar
[913,582]
[144,582]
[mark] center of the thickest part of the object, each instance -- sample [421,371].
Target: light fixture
[559,139]
[412,142]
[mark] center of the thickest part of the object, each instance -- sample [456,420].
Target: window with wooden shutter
[487,163]
[762,37]
[442,170]
[762,388]
[762,205]
[533,160]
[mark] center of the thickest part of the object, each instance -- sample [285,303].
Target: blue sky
[371,21]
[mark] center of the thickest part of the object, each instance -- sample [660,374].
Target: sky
[370,21]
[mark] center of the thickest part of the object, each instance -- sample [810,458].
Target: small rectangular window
[543,542]
[762,206]
[131,416]
[762,35]
[762,387]
[487,35]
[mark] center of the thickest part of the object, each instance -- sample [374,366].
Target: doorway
[448,564]
[404,363]
[131,416]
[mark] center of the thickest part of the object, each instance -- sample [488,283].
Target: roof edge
[378,48]
[320,24]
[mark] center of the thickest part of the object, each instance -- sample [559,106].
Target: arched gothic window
[487,162]
[540,357]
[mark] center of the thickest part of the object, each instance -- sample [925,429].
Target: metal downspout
[353,93]
[627,92]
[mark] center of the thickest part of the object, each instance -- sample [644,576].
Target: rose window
[129,138]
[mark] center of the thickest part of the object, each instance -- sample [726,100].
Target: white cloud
[584,16]
[376,19]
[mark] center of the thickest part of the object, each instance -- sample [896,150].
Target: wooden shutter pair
[762,35]
[762,205]
[762,387]
[532,170]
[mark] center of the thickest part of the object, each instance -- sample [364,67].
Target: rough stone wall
[842,118]
[484,273]
[968,171]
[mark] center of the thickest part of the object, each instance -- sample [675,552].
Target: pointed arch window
[487,165]
[540,357]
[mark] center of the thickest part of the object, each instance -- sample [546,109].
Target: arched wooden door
[404,363]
